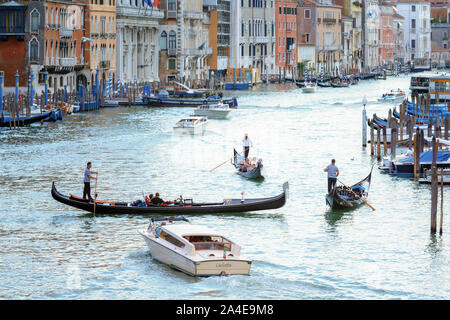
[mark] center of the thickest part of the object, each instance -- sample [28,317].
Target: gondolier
[87,181]
[333,173]
[247,143]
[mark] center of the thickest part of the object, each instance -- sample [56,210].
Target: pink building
[386,34]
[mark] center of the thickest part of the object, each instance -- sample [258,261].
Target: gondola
[7,120]
[324,84]
[342,198]
[255,173]
[187,206]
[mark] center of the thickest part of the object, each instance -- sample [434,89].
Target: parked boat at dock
[6,120]
[186,206]
[194,249]
[166,101]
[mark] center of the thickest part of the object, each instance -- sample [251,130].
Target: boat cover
[427,156]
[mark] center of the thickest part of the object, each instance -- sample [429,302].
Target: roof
[189,229]
[413,1]
[12,4]
[396,15]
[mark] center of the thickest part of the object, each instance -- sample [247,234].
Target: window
[413,23]
[413,8]
[171,239]
[172,40]
[34,50]
[413,44]
[307,13]
[34,21]
[242,29]
[163,41]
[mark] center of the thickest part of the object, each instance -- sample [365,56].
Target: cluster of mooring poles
[416,125]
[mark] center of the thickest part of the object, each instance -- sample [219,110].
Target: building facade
[417,27]
[138,42]
[386,48]
[328,37]
[286,37]
[306,35]
[399,38]
[100,41]
[371,26]
[357,41]
[219,38]
[253,36]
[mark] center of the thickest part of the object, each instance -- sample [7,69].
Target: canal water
[301,251]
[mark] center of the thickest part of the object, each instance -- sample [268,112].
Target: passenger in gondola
[157,200]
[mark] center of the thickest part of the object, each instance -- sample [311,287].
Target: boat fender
[158,232]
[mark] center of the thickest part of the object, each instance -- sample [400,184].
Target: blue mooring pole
[31,90]
[16,96]
[2,75]
[97,96]
[46,87]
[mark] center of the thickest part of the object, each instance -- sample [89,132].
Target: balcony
[193,15]
[171,14]
[65,33]
[198,52]
[172,51]
[67,62]
[105,64]
[329,21]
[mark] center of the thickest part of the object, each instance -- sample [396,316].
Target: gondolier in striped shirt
[247,143]
[333,173]
[87,181]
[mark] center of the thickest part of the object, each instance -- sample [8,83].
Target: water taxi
[309,87]
[213,111]
[396,96]
[194,249]
[191,125]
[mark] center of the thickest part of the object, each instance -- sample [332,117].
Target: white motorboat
[213,111]
[309,87]
[194,249]
[396,96]
[191,125]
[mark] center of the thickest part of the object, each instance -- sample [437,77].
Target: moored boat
[341,197]
[191,125]
[6,120]
[194,249]
[186,206]
[341,84]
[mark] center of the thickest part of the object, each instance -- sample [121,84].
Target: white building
[253,35]
[371,24]
[417,27]
[137,41]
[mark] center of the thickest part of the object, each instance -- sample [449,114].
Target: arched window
[172,40]
[34,50]
[34,20]
[163,41]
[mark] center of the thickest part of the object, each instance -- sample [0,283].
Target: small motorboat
[194,249]
[213,111]
[341,197]
[191,125]
[309,87]
[396,96]
[254,173]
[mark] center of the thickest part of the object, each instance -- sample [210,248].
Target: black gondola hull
[227,206]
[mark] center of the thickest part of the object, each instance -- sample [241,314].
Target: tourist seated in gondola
[157,200]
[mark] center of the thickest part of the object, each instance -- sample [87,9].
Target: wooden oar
[373,209]
[224,162]
[95,192]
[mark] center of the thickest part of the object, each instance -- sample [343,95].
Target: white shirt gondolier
[247,143]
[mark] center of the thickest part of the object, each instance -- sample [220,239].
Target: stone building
[306,34]
[286,37]
[386,35]
[371,27]
[138,42]
[253,36]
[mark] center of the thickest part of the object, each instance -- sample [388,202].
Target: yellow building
[100,22]
[357,35]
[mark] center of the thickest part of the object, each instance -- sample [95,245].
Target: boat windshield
[209,242]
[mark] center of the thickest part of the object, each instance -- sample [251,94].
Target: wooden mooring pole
[378,144]
[434,186]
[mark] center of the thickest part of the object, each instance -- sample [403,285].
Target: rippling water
[301,251]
